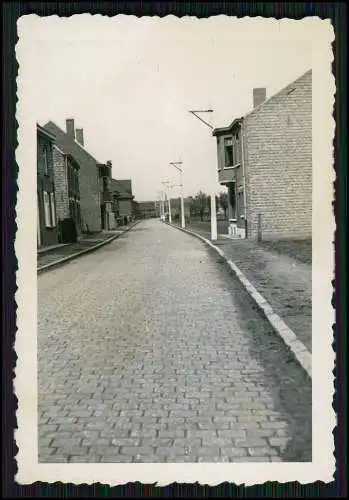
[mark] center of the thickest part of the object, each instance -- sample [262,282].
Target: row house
[122,200]
[265,161]
[67,187]
[106,196]
[78,178]
[47,230]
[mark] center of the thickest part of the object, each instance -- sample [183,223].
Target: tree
[217,203]
[223,201]
[201,200]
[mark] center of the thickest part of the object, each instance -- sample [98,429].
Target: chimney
[259,96]
[80,136]
[70,128]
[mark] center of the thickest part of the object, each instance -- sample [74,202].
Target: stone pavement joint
[149,351]
[300,352]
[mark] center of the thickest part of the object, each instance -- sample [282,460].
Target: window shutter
[47,209]
[53,210]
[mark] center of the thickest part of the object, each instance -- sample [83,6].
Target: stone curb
[44,251]
[298,349]
[60,262]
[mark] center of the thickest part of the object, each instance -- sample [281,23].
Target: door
[103,216]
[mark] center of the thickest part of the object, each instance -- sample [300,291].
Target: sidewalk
[284,282]
[85,242]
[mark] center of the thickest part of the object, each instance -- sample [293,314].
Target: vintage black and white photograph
[174,239]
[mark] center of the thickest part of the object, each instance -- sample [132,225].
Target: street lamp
[168,200]
[213,195]
[176,165]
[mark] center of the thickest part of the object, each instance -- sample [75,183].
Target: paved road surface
[149,351]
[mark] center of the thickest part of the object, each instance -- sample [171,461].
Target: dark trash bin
[68,232]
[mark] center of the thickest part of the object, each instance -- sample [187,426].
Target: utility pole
[176,165]
[166,183]
[161,205]
[213,195]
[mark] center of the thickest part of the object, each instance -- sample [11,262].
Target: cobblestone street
[150,351]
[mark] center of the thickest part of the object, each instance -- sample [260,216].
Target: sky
[130,83]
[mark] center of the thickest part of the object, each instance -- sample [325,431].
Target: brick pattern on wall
[278,163]
[61,184]
[90,196]
[88,178]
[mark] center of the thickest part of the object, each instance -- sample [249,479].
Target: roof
[274,96]
[226,130]
[69,146]
[45,133]
[123,187]
[68,155]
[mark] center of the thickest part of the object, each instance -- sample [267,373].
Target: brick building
[265,161]
[106,188]
[122,200]
[67,187]
[47,231]
[71,143]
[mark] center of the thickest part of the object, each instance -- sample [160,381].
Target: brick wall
[278,163]
[61,184]
[90,200]
[88,178]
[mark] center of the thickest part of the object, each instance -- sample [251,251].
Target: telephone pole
[213,195]
[179,168]
[166,183]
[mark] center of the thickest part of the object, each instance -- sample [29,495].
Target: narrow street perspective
[149,350]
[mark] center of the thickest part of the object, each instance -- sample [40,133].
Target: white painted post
[213,217]
[162,206]
[169,209]
[182,200]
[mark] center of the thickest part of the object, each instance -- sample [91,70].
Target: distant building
[71,143]
[106,191]
[122,200]
[47,231]
[265,161]
[147,209]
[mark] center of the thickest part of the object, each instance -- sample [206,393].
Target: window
[71,209]
[228,149]
[45,156]
[53,210]
[236,152]
[47,209]
[50,209]
[69,177]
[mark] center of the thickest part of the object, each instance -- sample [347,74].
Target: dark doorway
[103,216]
